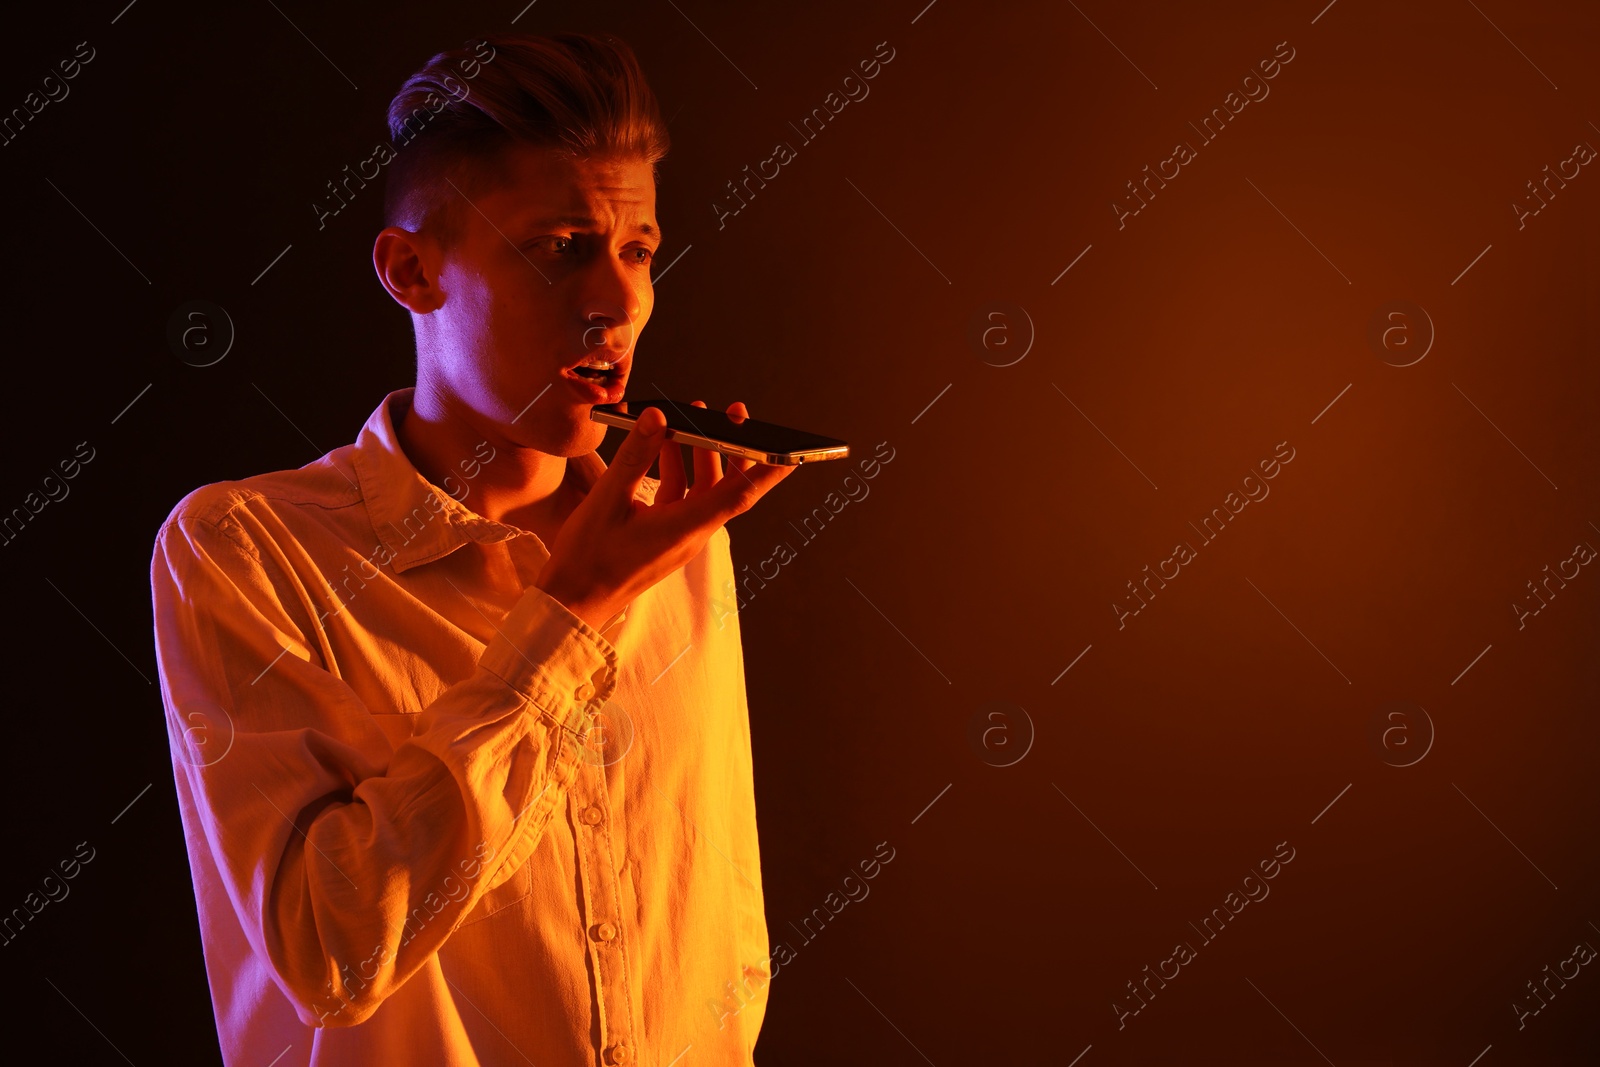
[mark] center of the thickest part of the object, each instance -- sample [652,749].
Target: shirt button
[592,816]
[620,1054]
[584,693]
[604,932]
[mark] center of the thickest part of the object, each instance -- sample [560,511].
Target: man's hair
[583,96]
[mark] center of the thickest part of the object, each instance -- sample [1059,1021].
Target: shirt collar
[416,521]
[415,530]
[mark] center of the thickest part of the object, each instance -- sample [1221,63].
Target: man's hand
[613,547]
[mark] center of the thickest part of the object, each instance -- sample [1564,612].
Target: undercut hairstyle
[581,95]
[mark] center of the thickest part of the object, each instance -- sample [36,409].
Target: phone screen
[746,437]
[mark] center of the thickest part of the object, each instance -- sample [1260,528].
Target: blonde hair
[581,95]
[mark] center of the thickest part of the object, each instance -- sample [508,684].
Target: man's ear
[408,268]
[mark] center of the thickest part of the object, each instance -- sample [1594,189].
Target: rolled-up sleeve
[331,840]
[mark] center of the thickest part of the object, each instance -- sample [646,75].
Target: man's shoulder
[327,483]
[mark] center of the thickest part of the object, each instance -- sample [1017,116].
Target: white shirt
[432,816]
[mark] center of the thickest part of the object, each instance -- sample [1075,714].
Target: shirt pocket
[544,869]
[509,892]
[397,726]
[540,876]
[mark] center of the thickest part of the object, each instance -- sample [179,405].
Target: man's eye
[555,243]
[645,254]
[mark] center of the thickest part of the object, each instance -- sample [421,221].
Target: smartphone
[765,442]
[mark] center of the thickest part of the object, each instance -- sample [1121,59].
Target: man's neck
[520,486]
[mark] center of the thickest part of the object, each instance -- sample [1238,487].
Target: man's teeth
[594,369]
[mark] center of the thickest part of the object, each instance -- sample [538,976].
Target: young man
[459,722]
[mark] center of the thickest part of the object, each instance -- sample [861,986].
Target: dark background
[1223,319]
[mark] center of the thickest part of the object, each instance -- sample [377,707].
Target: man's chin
[573,438]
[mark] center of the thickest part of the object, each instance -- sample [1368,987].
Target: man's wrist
[588,608]
[545,651]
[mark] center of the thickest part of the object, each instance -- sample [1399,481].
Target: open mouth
[600,371]
[599,380]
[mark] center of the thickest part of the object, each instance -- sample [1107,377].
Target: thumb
[638,450]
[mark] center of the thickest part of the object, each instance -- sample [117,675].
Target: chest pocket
[397,726]
[542,863]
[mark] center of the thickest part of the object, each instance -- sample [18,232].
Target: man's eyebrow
[582,221]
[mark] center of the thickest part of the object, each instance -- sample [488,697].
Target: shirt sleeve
[328,839]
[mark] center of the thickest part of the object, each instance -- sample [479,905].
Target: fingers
[748,480]
[738,492]
[720,496]
[673,479]
[637,451]
[707,463]
[738,413]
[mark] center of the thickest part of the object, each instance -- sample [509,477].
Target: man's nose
[610,302]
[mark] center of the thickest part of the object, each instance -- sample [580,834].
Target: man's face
[547,284]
